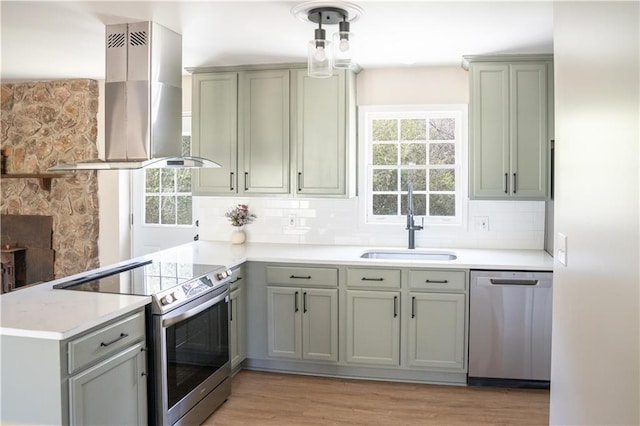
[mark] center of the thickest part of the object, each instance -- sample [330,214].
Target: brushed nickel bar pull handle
[372,279]
[231,311]
[506,183]
[299,181]
[304,302]
[235,281]
[413,307]
[515,184]
[246,176]
[298,277]
[295,303]
[498,281]
[395,306]
[122,336]
[437,281]
[231,181]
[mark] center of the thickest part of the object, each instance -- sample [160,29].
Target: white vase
[238,236]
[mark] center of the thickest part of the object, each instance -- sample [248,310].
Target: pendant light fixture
[324,55]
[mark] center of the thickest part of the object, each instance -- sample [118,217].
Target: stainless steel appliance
[510,328]
[187,332]
[143,100]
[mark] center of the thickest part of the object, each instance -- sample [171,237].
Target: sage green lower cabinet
[303,323]
[111,393]
[96,377]
[237,348]
[373,327]
[437,330]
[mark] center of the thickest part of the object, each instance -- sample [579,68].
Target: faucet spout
[411,225]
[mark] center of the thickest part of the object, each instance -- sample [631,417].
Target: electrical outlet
[481,223]
[291,222]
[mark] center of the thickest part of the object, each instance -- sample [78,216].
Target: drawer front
[302,276]
[371,277]
[437,280]
[237,278]
[105,341]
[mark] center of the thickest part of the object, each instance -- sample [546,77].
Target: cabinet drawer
[302,276]
[105,341]
[371,277]
[437,280]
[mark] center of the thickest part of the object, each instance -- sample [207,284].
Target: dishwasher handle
[512,281]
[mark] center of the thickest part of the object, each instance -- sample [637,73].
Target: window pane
[442,129]
[385,154]
[442,180]
[442,153]
[385,130]
[419,204]
[413,130]
[413,154]
[168,180]
[417,177]
[185,215]
[385,204]
[183,177]
[168,212]
[152,180]
[385,180]
[152,209]
[442,205]
[186,145]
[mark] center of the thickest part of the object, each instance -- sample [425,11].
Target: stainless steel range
[187,331]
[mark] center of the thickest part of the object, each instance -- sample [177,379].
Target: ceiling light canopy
[324,55]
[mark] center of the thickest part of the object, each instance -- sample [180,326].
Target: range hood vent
[143,101]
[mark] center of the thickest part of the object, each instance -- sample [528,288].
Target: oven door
[191,354]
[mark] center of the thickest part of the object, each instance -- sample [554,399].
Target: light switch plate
[562,248]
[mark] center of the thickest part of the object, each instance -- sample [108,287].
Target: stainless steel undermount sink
[408,255]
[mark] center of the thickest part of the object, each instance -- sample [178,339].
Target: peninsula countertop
[40,311]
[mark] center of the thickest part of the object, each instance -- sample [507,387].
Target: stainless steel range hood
[143,101]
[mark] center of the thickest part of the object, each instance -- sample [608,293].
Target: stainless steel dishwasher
[510,328]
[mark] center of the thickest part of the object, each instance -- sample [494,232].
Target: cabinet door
[489,138]
[237,346]
[373,327]
[320,134]
[436,330]
[215,131]
[528,128]
[284,322]
[320,324]
[92,399]
[264,131]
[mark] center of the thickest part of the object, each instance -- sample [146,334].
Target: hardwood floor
[260,398]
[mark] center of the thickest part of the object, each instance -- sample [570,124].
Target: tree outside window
[421,147]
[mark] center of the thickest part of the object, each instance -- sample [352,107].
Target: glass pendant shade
[319,59]
[343,49]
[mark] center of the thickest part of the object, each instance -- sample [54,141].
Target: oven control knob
[169,298]
[222,275]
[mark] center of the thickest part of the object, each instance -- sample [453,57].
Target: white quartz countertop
[223,253]
[43,312]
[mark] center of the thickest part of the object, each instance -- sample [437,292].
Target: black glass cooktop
[142,278]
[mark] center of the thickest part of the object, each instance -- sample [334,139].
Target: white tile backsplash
[512,224]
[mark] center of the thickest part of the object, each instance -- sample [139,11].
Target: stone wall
[44,124]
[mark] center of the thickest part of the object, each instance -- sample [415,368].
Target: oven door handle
[168,322]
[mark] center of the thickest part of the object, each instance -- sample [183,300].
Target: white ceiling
[50,40]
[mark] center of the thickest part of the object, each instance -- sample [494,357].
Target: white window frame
[368,113]
[186,131]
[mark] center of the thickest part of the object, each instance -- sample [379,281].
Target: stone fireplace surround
[45,123]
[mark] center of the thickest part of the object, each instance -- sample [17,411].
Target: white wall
[338,221]
[595,361]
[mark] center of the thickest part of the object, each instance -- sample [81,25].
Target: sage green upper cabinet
[323,110]
[510,106]
[264,131]
[241,121]
[215,131]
